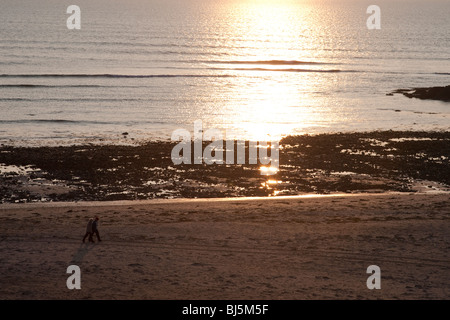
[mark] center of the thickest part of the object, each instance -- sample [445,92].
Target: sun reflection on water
[268,38]
[268,170]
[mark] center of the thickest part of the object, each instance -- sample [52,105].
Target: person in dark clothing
[95,228]
[89,230]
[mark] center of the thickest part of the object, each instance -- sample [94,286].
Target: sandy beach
[280,248]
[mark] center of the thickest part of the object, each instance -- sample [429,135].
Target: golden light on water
[265,170]
[274,109]
[270,185]
[266,37]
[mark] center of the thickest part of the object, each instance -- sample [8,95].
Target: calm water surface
[264,69]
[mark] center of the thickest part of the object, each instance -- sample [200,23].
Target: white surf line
[114,203]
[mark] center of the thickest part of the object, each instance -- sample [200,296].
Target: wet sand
[272,248]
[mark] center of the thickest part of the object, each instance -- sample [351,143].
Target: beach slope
[273,248]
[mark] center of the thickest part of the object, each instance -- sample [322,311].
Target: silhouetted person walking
[95,228]
[89,230]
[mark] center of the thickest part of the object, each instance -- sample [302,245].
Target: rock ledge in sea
[432,93]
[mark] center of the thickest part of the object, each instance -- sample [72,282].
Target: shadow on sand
[83,250]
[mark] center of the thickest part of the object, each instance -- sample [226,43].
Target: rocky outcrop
[432,93]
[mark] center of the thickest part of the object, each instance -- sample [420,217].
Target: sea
[138,70]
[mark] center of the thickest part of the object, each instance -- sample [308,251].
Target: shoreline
[126,139]
[63,204]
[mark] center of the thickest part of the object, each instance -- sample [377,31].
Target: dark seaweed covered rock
[374,162]
[432,93]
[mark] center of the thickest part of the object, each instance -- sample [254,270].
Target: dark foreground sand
[273,248]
